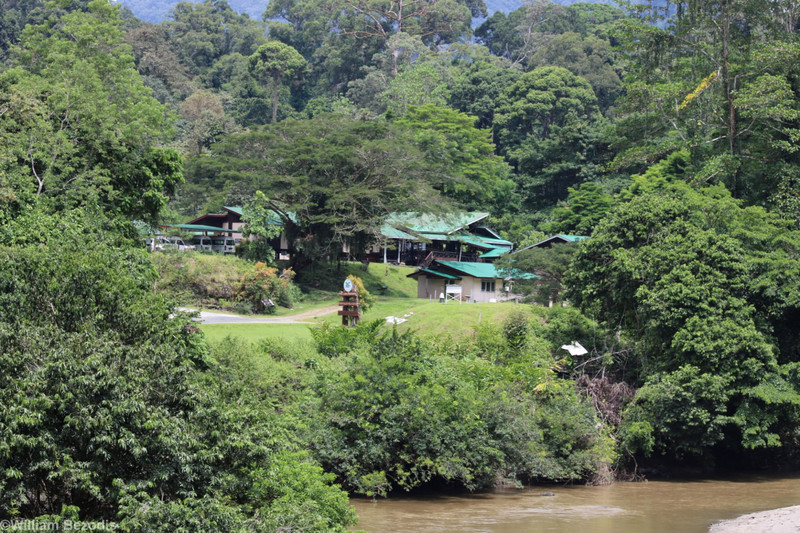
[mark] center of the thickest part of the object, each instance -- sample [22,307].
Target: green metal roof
[494,252]
[572,238]
[434,273]
[476,270]
[237,210]
[433,223]
[499,242]
[201,227]
[394,233]
[479,270]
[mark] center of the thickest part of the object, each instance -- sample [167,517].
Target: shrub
[365,299]
[264,288]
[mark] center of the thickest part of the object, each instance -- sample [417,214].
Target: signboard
[348,285]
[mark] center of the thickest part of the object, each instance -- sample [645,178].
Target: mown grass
[254,333]
[433,318]
[425,317]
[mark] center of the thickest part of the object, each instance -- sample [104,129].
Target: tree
[476,176]
[586,206]
[261,225]
[478,82]
[202,33]
[418,84]
[206,121]
[82,129]
[118,412]
[156,59]
[549,265]
[589,57]
[517,35]
[331,179]
[684,272]
[275,61]
[713,78]
[436,22]
[546,126]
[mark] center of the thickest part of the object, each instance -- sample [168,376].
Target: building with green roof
[555,239]
[465,281]
[419,238]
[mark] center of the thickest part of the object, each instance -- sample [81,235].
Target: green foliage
[275,61]
[543,124]
[683,272]
[207,278]
[515,329]
[333,341]
[264,288]
[550,265]
[699,81]
[261,225]
[204,32]
[365,299]
[586,206]
[476,176]
[396,412]
[83,129]
[331,180]
[116,410]
[680,412]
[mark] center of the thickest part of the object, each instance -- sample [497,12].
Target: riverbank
[784,520]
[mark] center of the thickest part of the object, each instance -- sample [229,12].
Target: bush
[264,288]
[365,299]
[394,412]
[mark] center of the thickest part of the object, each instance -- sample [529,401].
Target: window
[487,286]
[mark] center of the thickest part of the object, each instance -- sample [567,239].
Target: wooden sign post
[349,308]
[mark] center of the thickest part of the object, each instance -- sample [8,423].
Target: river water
[647,507]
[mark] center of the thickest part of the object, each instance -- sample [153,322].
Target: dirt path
[207,317]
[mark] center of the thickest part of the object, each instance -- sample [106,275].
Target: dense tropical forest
[670,135]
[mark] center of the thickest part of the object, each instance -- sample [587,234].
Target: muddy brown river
[648,507]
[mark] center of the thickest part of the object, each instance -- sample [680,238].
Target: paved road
[225,318]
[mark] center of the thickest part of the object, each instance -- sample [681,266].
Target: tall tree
[685,273]
[332,179]
[202,33]
[275,61]
[478,178]
[544,125]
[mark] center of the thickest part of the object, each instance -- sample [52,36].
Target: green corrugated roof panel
[434,223]
[201,227]
[394,233]
[438,274]
[499,242]
[476,270]
[494,252]
[237,210]
[572,238]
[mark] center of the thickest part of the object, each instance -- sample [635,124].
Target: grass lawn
[428,318]
[434,318]
[255,332]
